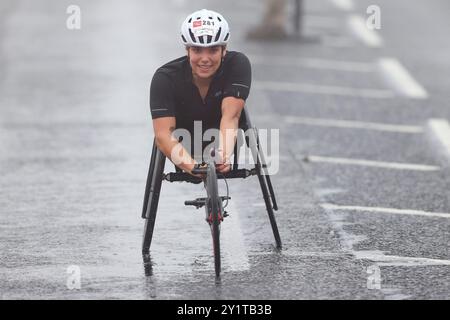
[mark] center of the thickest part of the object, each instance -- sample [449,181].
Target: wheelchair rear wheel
[273,222]
[266,185]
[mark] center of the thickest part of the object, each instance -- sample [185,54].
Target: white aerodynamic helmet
[205,28]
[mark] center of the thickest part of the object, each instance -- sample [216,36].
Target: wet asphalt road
[75,141]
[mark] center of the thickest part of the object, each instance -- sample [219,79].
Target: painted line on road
[234,249]
[400,79]
[353,124]
[413,261]
[337,41]
[330,206]
[371,163]
[295,252]
[259,204]
[346,5]
[314,63]
[349,241]
[387,260]
[441,129]
[318,89]
[382,259]
[370,37]
[376,256]
[318,21]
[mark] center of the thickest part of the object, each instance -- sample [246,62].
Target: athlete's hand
[201,176]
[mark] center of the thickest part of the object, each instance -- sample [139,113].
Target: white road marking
[370,37]
[330,206]
[441,129]
[337,42]
[234,250]
[317,21]
[318,89]
[259,204]
[370,163]
[314,63]
[387,260]
[379,257]
[297,253]
[348,242]
[353,124]
[346,5]
[401,79]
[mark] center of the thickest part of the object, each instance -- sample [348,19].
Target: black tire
[151,198]
[215,231]
[148,234]
[216,215]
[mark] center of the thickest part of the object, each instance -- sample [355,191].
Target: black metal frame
[156,175]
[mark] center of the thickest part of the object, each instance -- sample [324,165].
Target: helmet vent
[226,38]
[209,39]
[192,36]
[184,39]
[218,34]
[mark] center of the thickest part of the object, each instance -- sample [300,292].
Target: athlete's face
[205,61]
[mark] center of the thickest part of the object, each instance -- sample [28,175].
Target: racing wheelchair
[213,203]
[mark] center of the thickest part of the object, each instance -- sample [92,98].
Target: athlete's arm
[169,145]
[231,112]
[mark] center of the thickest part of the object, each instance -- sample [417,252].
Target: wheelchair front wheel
[214,214]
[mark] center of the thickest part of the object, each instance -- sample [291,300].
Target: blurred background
[362,104]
